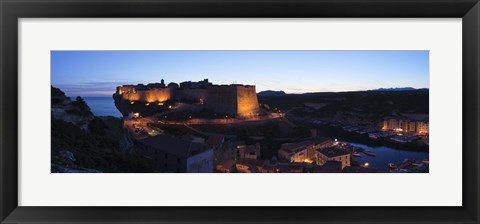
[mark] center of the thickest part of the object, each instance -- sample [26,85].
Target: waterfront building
[304,151]
[321,143]
[406,125]
[333,154]
[297,152]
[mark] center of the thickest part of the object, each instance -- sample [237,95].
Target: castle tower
[234,100]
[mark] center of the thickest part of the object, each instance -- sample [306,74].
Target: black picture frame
[11,11]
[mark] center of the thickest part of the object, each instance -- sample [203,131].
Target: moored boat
[392,166]
[356,154]
[416,164]
[369,153]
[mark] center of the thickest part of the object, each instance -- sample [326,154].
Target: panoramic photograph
[232,111]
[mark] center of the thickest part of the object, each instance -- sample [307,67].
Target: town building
[249,151]
[290,168]
[249,165]
[238,149]
[406,124]
[333,154]
[322,142]
[226,166]
[304,151]
[297,152]
[177,155]
[331,166]
[216,141]
[230,150]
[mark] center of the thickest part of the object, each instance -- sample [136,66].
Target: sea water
[102,106]
[386,155]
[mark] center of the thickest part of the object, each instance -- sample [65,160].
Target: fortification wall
[150,96]
[234,100]
[193,95]
[124,89]
[247,102]
[221,99]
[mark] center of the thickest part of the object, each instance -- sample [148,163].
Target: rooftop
[236,143]
[251,162]
[226,164]
[252,148]
[333,152]
[329,167]
[321,139]
[410,117]
[295,146]
[290,168]
[215,140]
[174,145]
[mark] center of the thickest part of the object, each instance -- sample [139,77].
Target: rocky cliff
[63,108]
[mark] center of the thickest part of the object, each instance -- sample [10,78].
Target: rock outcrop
[63,108]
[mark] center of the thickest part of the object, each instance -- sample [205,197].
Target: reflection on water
[386,155]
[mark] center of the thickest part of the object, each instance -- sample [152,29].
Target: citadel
[235,100]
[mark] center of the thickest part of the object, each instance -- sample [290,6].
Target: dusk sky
[97,73]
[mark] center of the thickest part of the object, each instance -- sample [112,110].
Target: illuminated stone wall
[222,99]
[194,95]
[247,102]
[124,89]
[150,96]
[235,100]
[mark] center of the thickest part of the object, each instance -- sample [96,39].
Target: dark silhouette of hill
[397,89]
[374,104]
[271,93]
